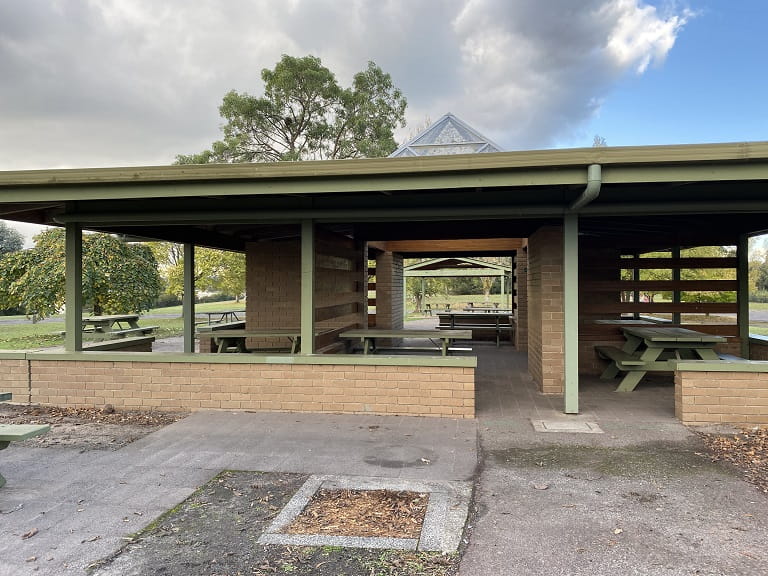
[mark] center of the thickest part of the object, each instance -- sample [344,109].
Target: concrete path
[639,498]
[82,504]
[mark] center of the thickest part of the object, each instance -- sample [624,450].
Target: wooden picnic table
[369,336]
[234,340]
[223,316]
[115,326]
[655,349]
[497,322]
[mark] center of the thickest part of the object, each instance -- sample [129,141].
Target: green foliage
[215,270]
[305,115]
[117,277]
[11,240]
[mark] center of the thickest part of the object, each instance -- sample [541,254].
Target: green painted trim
[309,359]
[571,311]
[15,355]
[742,294]
[736,155]
[720,366]
[73,287]
[188,298]
[307,287]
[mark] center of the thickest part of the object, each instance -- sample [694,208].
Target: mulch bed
[363,513]
[747,451]
[38,414]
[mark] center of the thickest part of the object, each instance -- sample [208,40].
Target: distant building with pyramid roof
[448,135]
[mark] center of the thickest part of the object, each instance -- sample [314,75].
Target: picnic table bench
[655,349]
[234,340]
[17,432]
[369,336]
[115,326]
[497,322]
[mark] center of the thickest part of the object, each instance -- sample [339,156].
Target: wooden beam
[454,246]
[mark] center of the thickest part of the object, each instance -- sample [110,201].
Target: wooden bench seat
[490,327]
[732,358]
[132,342]
[622,359]
[18,432]
[142,330]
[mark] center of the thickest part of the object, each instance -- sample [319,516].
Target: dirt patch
[215,532]
[87,428]
[363,513]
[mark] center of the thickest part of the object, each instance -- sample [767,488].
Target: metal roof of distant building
[448,135]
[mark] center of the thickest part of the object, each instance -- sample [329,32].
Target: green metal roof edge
[742,152]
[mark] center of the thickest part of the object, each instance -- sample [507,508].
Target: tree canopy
[215,270]
[118,277]
[305,115]
[11,240]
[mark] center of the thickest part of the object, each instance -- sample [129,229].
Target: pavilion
[572,220]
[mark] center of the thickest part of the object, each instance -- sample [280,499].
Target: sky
[89,83]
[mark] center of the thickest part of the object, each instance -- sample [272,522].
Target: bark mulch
[747,451]
[362,513]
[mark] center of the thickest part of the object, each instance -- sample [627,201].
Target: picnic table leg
[611,371]
[630,380]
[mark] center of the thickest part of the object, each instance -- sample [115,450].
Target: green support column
[188,300]
[571,311]
[73,321]
[307,287]
[742,296]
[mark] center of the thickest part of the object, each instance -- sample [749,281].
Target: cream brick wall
[721,397]
[348,389]
[521,300]
[389,291]
[14,378]
[545,309]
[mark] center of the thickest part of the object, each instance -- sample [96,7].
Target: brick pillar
[389,290]
[521,299]
[545,309]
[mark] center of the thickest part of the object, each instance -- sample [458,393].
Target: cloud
[128,82]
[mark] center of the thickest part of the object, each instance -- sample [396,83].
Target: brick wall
[273,285]
[545,309]
[445,391]
[389,291]
[758,350]
[521,300]
[14,378]
[721,397]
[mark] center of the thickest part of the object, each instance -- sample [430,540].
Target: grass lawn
[19,333]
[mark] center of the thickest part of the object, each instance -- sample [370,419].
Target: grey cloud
[126,82]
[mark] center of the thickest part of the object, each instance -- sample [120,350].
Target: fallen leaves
[28,535]
[748,451]
[363,513]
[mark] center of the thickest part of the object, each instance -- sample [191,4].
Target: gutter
[592,191]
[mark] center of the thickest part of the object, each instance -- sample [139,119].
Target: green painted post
[742,296]
[571,311]
[73,320]
[307,287]
[188,299]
